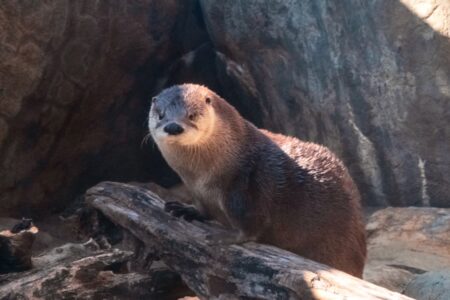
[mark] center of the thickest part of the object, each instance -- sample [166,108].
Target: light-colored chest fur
[200,178]
[208,195]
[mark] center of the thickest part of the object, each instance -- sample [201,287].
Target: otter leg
[244,209]
[243,217]
[181,210]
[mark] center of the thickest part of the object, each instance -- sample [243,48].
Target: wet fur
[275,189]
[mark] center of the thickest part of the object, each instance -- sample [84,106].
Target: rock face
[408,249]
[369,79]
[75,83]
[430,286]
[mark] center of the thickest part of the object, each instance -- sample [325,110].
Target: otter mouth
[176,132]
[192,124]
[187,123]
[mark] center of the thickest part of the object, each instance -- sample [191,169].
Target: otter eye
[153,99]
[208,100]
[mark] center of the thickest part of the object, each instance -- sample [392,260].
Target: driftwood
[84,271]
[248,271]
[73,271]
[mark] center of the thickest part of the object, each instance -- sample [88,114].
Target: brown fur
[275,189]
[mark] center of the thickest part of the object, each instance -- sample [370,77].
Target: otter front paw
[187,212]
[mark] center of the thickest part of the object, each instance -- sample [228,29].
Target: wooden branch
[248,271]
[72,272]
[84,271]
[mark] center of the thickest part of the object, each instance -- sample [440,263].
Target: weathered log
[248,271]
[75,273]
[83,271]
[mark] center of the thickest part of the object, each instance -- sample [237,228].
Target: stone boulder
[408,248]
[430,286]
[369,79]
[75,82]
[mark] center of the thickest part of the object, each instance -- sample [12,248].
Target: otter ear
[153,100]
[208,100]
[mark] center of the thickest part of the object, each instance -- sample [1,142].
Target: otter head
[182,115]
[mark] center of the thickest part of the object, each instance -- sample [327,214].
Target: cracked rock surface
[75,84]
[409,250]
[369,79]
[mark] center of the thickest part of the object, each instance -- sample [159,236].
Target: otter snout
[173,129]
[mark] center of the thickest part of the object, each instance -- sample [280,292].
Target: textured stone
[430,286]
[3,131]
[75,79]
[404,243]
[369,79]
[421,230]
[394,278]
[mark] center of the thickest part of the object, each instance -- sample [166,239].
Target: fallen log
[247,271]
[68,271]
[84,271]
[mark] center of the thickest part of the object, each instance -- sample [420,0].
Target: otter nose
[173,129]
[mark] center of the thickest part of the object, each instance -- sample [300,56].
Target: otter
[269,188]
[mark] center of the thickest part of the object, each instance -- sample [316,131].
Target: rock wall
[369,79]
[407,248]
[75,84]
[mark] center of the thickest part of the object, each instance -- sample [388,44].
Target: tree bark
[247,271]
[83,271]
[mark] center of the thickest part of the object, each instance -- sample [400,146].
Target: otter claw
[187,212]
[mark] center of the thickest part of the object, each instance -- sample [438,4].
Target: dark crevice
[118,267]
[408,268]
